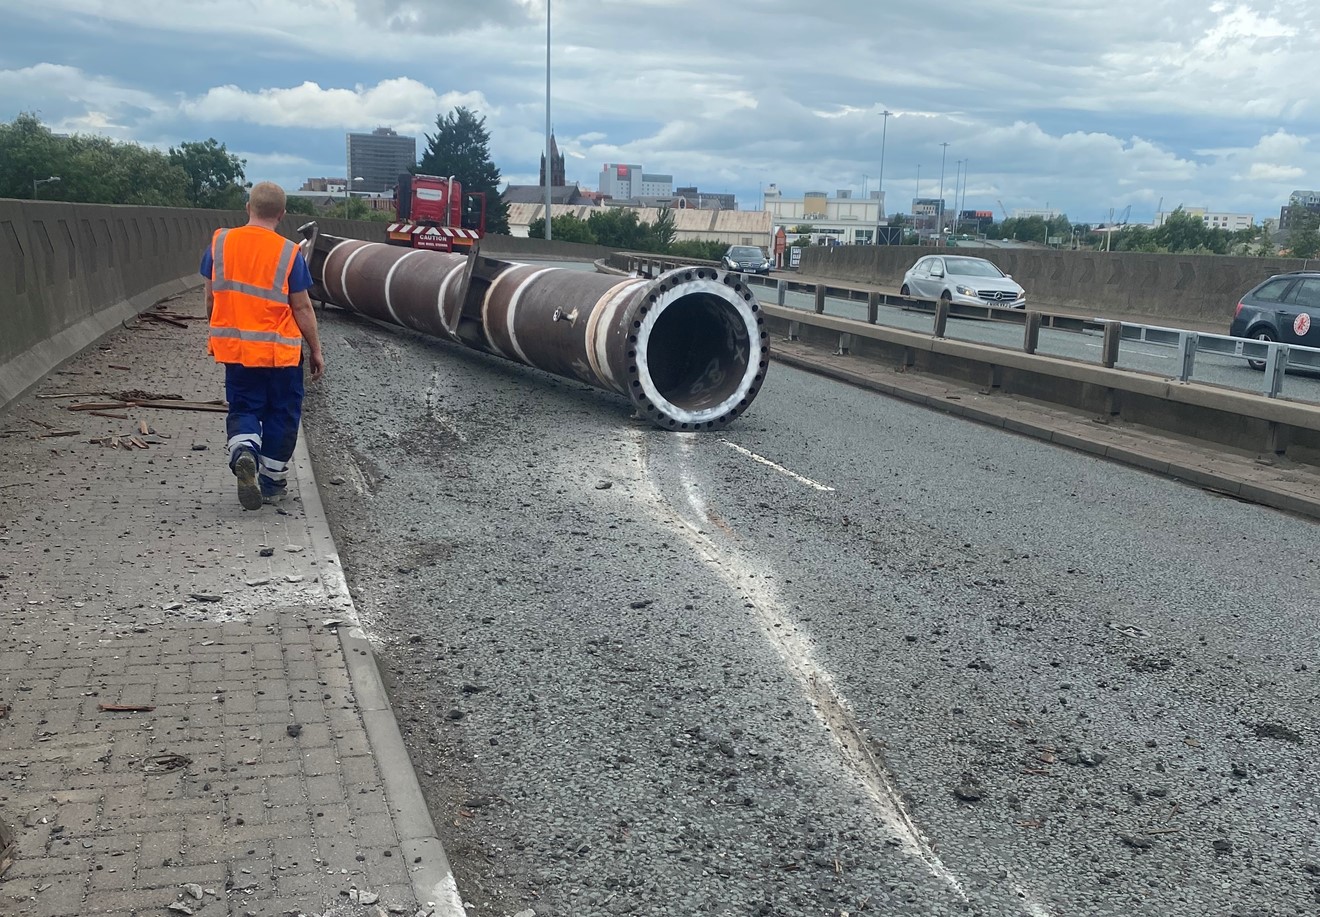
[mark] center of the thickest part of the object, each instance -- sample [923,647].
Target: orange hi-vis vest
[252,322]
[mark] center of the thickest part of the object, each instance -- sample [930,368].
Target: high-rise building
[556,165]
[379,158]
[620,181]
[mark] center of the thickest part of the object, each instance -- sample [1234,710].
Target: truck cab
[434,212]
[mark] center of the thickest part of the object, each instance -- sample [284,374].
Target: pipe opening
[698,352]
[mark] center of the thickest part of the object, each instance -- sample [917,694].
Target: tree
[215,176]
[564,228]
[1306,243]
[91,169]
[704,249]
[1303,232]
[461,147]
[662,231]
[296,204]
[620,228]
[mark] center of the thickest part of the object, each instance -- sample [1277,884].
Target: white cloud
[404,104]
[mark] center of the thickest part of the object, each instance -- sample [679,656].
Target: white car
[960,279]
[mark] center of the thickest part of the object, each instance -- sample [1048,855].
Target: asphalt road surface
[844,657]
[1302,385]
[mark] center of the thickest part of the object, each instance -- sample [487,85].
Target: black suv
[1284,308]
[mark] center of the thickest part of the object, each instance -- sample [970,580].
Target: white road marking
[751,579]
[780,468]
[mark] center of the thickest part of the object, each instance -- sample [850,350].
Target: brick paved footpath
[133,576]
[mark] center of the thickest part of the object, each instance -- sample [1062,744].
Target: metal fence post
[1031,333]
[820,299]
[1109,349]
[1276,365]
[941,318]
[783,289]
[1186,354]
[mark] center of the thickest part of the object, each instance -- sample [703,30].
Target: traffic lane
[1213,369]
[608,725]
[851,573]
[1053,626]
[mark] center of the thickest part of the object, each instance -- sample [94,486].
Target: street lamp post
[962,206]
[42,181]
[939,225]
[348,183]
[957,181]
[548,164]
[879,182]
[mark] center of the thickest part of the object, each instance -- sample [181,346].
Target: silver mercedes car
[961,279]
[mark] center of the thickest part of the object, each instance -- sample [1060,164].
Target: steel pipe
[688,348]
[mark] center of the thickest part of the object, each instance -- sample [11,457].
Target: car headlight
[964,290]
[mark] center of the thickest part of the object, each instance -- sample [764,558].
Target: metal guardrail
[1277,357]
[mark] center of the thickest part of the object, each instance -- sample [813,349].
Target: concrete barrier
[70,272]
[1196,288]
[1240,420]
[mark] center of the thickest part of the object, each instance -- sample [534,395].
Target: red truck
[435,213]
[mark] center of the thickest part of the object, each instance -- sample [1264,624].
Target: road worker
[260,315]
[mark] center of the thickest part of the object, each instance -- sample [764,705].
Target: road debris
[165,762]
[126,708]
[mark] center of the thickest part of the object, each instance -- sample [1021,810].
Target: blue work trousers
[265,406]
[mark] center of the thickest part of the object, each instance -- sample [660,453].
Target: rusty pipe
[688,348]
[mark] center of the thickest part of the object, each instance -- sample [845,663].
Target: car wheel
[904,290]
[946,296]
[1260,334]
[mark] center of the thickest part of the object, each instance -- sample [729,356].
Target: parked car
[960,279]
[747,258]
[1286,308]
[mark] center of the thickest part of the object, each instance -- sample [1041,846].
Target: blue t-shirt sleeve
[300,278]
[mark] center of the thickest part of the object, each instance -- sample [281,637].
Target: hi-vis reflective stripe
[269,337]
[220,283]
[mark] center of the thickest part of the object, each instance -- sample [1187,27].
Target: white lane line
[780,468]
[752,578]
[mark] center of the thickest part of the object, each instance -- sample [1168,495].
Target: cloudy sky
[1079,105]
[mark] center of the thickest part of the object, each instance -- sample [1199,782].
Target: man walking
[260,313]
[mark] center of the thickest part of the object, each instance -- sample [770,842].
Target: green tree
[215,176]
[461,147]
[1306,243]
[1303,232]
[1135,239]
[564,228]
[662,231]
[620,228]
[704,249]
[297,204]
[30,152]
[91,169]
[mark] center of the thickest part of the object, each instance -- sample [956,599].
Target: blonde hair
[266,200]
